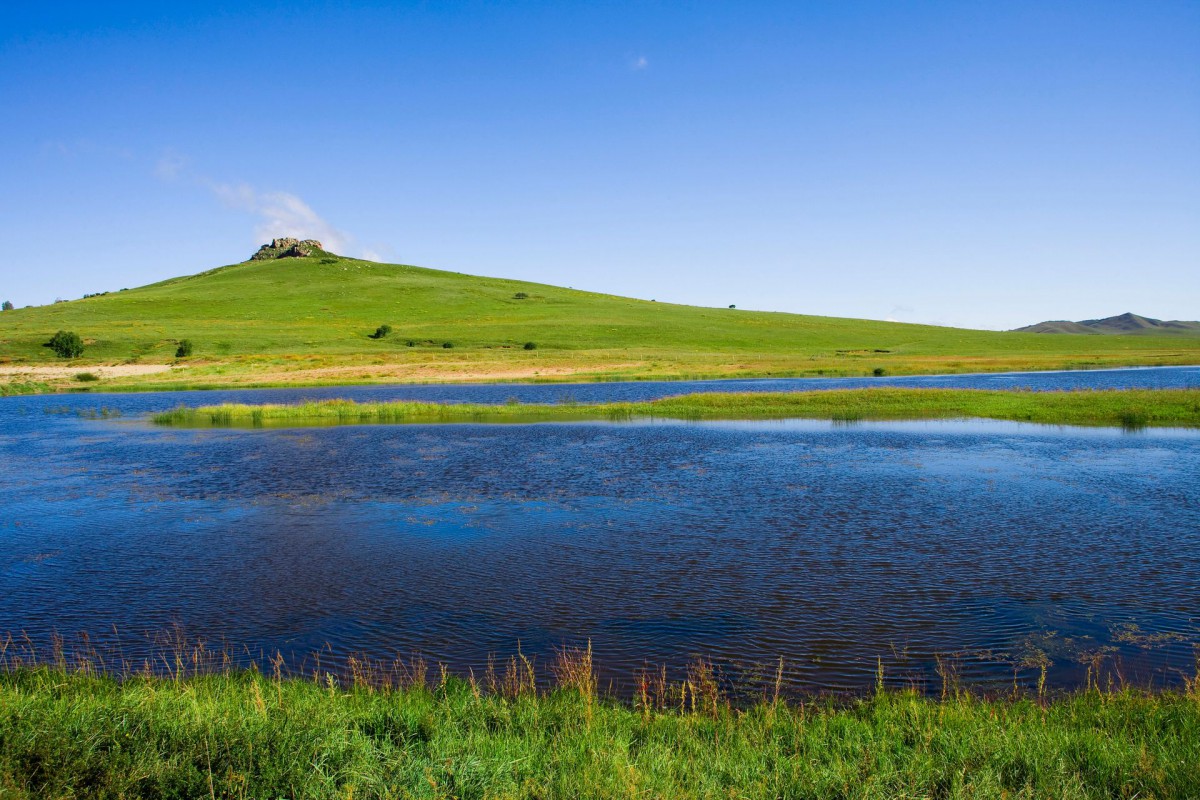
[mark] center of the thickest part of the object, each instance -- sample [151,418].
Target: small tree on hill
[6,306]
[66,344]
[382,332]
[184,349]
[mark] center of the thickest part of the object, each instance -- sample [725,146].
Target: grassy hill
[309,320]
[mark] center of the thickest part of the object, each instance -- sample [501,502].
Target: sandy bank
[111,371]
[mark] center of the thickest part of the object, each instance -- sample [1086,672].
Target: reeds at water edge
[81,719]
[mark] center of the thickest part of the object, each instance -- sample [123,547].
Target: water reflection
[1010,545]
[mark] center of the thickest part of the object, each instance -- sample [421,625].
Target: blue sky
[974,164]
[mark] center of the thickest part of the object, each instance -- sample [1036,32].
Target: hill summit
[287,248]
[1121,324]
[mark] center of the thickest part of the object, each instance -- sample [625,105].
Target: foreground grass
[1127,408]
[242,734]
[307,322]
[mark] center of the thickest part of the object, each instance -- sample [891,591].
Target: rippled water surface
[990,545]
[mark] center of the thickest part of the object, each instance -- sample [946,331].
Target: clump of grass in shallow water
[1119,408]
[1133,419]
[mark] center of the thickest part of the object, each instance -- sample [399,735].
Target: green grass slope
[265,312]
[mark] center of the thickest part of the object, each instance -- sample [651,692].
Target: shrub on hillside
[382,332]
[87,377]
[184,349]
[447,345]
[66,344]
[520,296]
[6,306]
[531,346]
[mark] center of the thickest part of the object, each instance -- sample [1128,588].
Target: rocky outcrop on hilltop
[288,248]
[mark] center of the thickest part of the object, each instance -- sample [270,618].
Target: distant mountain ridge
[1121,324]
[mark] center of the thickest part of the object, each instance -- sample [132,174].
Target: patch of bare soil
[436,372]
[113,371]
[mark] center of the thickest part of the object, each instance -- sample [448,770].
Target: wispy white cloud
[638,63]
[169,166]
[281,214]
[278,213]
[85,148]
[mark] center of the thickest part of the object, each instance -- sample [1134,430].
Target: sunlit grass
[19,387]
[1124,408]
[67,729]
[311,322]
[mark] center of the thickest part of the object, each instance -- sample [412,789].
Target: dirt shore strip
[110,371]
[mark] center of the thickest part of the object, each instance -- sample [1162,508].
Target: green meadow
[1125,408]
[310,321]
[239,734]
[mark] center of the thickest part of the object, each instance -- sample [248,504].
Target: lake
[988,547]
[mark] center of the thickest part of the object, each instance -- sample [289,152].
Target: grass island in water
[1124,408]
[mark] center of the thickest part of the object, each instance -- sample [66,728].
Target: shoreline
[234,734]
[138,378]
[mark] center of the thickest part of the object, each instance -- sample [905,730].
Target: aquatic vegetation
[194,726]
[1123,408]
[98,413]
